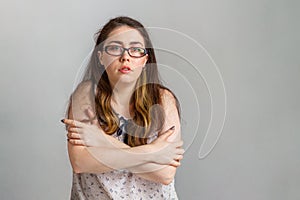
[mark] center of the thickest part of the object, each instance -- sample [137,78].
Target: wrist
[108,141]
[149,154]
[142,153]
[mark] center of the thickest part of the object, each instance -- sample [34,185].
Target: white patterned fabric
[119,184]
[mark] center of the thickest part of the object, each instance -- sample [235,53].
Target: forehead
[125,35]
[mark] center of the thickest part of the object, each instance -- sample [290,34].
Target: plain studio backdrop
[254,44]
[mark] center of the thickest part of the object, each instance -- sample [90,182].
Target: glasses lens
[137,52]
[114,50]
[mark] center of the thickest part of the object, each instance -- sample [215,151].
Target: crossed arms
[91,150]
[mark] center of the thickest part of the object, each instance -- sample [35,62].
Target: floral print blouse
[119,184]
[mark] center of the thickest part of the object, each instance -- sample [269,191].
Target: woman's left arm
[167,172]
[153,171]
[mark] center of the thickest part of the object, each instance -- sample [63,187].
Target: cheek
[140,62]
[108,61]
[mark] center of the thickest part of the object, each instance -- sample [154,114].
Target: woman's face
[123,68]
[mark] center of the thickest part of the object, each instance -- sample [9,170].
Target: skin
[123,84]
[91,149]
[124,37]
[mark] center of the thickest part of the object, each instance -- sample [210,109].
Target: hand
[165,152]
[85,134]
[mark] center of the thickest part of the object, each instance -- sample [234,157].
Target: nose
[125,56]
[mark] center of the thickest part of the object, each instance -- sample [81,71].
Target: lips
[125,69]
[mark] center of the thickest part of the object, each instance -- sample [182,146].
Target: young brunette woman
[123,125]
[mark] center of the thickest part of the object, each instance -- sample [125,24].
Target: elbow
[77,170]
[75,157]
[166,181]
[168,177]
[76,167]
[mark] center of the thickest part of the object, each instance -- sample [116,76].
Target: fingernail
[172,128]
[62,120]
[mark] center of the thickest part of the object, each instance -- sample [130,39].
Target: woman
[123,126]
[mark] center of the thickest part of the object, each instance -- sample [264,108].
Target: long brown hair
[147,117]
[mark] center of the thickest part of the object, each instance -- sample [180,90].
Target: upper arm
[80,158]
[81,100]
[172,117]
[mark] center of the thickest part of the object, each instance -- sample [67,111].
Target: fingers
[178,143]
[76,142]
[179,151]
[72,122]
[93,117]
[73,129]
[177,146]
[175,163]
[179,157]
[75,139]
[167,133]
[72,135]
[90,114]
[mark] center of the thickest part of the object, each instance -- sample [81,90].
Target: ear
[100,57]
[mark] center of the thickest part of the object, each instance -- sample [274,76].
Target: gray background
[255,44]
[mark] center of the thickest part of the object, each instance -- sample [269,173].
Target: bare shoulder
[83,89]
[167,97]
[172,112]
[81,100]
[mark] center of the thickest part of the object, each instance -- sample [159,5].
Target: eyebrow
[119,42]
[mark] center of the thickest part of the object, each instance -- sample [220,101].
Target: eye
[114,48]
[137,49]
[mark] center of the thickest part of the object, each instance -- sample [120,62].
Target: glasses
[135,52]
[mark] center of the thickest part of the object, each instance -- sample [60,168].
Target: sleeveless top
[119,184]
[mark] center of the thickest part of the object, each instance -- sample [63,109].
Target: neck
[121,95]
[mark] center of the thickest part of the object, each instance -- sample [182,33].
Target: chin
[127,80]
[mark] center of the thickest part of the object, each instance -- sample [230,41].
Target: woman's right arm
[99,159]
[114,154]
[79,156]
[82,160]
